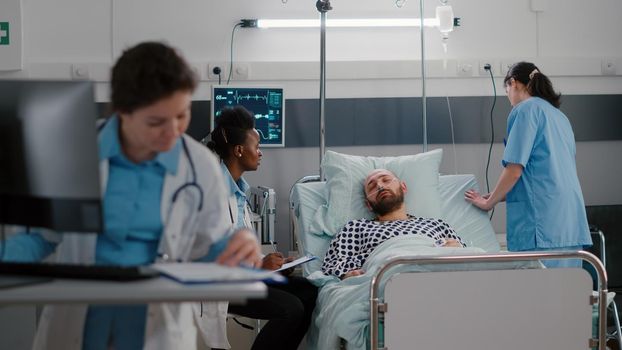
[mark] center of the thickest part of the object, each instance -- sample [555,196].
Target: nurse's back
[549,183]
[545,208]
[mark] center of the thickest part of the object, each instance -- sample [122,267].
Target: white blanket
[342,309]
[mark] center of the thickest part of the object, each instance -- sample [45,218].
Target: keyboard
[77,271]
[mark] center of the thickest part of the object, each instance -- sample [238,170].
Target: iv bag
[445,16]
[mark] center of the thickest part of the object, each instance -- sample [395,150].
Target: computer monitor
[267,103]
[49,167]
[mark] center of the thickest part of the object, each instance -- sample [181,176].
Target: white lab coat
[233,206]
[187,235]
[211,316]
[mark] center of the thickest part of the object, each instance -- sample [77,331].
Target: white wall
[568,40]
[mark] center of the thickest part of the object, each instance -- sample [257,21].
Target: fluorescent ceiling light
[345,23]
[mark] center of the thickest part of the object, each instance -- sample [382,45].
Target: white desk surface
[161,289]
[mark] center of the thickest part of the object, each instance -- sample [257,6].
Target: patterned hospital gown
[353,244]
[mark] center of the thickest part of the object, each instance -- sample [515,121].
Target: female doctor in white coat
[164,200]
[287,307]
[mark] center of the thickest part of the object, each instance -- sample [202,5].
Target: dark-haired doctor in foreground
[164,199]
[545,208]
[288,307]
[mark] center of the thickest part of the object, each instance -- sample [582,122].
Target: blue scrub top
[133,226]
[545,208]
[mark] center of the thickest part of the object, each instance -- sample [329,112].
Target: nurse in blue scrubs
[545,207]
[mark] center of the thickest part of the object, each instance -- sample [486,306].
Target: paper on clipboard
[297,262]
[201,272]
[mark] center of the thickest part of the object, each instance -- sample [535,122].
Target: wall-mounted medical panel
[10,35]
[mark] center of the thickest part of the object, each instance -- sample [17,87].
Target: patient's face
[384,191]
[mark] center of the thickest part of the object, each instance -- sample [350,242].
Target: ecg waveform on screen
[236,98]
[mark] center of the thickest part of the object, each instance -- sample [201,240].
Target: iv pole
[322,6]
[423,95]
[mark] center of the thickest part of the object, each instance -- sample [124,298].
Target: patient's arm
[339,257]
[352,273]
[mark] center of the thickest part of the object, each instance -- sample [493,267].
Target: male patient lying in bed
[384,194]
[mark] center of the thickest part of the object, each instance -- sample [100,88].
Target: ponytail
[538,84]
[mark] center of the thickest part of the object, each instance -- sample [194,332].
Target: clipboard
[297,262]
[202,272]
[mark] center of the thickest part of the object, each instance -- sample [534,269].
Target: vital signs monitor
[266,103]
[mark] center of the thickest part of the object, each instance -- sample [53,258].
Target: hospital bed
[477,299]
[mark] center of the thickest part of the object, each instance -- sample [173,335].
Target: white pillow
[470,223]
[344,180]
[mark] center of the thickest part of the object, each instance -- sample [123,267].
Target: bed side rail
[293,221]
[376,307]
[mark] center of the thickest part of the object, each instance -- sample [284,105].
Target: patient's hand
[450,242]
[272,261]
[352,273]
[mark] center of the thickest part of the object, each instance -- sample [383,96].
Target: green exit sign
[4,33]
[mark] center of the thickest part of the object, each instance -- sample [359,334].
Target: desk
[155,290]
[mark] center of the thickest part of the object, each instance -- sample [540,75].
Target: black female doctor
[288,307]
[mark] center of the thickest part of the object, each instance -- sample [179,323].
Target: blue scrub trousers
[551,264]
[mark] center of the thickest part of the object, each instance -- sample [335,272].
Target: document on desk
[201,272]
[297,262]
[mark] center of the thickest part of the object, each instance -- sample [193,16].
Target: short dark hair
[537,84]
[146,73]
[232,126]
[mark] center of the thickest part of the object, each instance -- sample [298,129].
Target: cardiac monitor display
[266,103]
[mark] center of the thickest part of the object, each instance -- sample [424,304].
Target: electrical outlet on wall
[214,67]
[505,67]
[608,66]
[464,69]
[240,71]
[79,71]
[494,67]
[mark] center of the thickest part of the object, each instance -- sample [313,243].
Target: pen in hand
[274,260]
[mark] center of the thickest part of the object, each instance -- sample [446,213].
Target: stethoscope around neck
[188,185]
[193,183]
